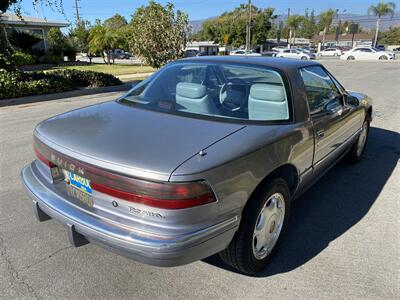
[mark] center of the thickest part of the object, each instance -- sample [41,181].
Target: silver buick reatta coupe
[203,157]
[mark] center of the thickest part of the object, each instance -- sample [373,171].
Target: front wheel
[304,58]
[263,223]
[383,57]
[351,58]
[357,150]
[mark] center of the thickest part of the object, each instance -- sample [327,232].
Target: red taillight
[167,203]
[42,158]
[155,194]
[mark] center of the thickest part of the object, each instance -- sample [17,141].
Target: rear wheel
[383,57]
[357,150]
[304,58]
[351,58]
[264,221]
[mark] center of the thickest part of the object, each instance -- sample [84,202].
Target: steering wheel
[237,101]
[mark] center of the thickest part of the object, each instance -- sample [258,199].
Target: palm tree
[293,22]
[102,39]
[379,10]
[325,20]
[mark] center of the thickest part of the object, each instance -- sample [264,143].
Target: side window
[321,91]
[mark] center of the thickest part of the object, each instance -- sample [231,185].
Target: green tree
[325,22]
[5,4]
[79,38]
[262,25]
[294,22]
[230,27]
[122,30]
[159,33]
[308,28]
[102,40]
[116,22]
[391,36]
[56,41]
[379,10]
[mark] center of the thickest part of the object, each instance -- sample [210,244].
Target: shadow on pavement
[338,201]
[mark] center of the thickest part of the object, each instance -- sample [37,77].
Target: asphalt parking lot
[343,240]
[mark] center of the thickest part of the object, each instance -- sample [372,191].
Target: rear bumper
[157,250]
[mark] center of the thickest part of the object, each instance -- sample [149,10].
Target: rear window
[216,90]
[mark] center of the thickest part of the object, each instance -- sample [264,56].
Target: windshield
[214,89]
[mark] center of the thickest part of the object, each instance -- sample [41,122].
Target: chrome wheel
[383,57]
[362,139]
[268,226]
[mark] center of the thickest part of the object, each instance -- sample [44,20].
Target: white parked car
[244,53]
[279,48]
[294,53]
[367,53]
[330,52]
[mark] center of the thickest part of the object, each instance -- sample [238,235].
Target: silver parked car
[203,157]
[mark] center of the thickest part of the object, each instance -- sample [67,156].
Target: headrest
[190,90]
[267,92]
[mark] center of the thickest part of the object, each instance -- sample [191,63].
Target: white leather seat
[268,102]
[193,97]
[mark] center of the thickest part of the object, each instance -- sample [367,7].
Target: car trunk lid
[131,141]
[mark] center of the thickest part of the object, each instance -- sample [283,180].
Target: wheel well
[369,113]
[287,172]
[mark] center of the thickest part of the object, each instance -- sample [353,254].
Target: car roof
[284,64]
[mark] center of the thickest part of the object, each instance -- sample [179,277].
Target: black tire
[383,57]
[304,58]
[239,254]
[351,58]
[354,156]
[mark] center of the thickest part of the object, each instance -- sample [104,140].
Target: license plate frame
[79,182]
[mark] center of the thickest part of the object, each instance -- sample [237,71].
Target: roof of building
[344,37]
[12,19]
[202,43]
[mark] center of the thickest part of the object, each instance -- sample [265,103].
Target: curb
[75,93]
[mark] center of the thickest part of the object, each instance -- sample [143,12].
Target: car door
[286,53]
[333,121]
[366,54]
[329,52]
[294,53]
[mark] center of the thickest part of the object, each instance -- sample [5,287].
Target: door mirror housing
[353,101]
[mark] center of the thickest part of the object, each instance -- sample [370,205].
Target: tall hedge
[20,84]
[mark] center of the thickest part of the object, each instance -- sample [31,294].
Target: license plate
[78,182]
[81,196]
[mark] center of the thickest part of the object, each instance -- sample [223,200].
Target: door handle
[320,133]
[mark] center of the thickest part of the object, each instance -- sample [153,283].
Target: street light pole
[248,31]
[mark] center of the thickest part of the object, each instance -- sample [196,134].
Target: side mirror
[333,106]
[135,83]
[353,101]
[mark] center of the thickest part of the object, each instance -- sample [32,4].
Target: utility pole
[248,31]
[77,7]
[289,33]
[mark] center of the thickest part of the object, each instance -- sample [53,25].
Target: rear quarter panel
[235,166]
